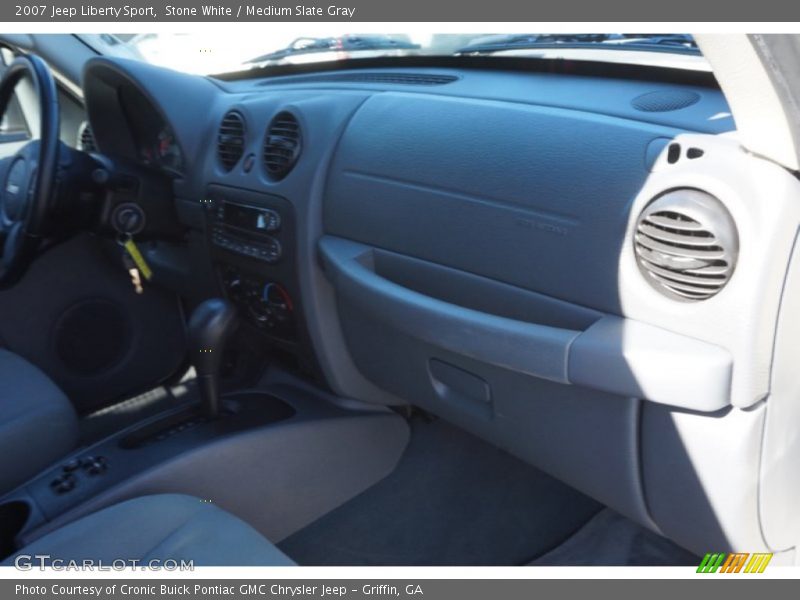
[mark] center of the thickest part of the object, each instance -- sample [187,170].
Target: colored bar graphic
[711,562]
[734,563]
[758,563]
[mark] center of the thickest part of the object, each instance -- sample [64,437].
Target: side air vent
[389,78]
[86,138]
[686,245]
[665,101]
[282,145]
[230,140]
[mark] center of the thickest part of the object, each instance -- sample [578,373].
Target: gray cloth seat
[37,422]
[160,527]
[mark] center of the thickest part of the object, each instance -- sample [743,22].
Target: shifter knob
[210,325]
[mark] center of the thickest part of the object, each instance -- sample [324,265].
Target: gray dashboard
[464,240]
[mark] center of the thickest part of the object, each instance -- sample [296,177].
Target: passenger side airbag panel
[532,196]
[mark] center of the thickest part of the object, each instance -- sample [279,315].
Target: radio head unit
[248,218]
[246,229]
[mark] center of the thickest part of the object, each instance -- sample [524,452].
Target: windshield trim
[627,47]
[673,43]
[586,68]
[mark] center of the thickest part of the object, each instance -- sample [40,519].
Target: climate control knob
[234,287]
[278,301]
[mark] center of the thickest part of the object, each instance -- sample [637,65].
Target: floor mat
[610,539]
[452,500]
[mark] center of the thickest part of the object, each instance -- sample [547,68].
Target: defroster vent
[377,77]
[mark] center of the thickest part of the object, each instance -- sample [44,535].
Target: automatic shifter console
[210,326]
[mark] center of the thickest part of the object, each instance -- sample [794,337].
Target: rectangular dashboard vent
[370,77]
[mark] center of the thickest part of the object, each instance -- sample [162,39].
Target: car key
[133,252]
[133,271]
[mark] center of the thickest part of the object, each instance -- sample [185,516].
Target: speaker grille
[665,101]
[92,337]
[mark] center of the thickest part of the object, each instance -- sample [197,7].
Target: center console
[271,456]
[252,241]
[167,436]
[252,237]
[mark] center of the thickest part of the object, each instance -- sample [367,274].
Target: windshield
[205,54]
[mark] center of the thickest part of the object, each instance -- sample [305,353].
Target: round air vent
[665,101]
[686,244]
[230,140]
[282,145]
[86,138]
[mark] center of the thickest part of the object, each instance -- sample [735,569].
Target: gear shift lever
[210,325]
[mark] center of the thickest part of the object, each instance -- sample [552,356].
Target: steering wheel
[28,179]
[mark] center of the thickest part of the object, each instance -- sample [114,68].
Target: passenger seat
[160,527]
[38,424]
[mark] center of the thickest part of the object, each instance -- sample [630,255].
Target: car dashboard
[566,264]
